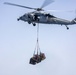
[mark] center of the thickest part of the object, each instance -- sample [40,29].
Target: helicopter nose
[23,18]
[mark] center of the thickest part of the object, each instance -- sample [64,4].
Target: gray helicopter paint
[45,19]
[42,17]
[58,21]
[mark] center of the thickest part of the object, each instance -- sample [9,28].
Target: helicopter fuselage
[39,16]
[44,18]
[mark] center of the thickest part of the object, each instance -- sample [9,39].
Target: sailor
[36,17]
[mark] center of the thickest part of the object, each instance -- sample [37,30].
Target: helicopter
[40,16]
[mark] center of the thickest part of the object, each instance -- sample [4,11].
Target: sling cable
[38,56]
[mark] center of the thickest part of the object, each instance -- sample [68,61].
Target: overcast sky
[18,39]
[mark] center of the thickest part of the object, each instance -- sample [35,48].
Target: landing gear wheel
[29,22]
[67,28]
[34,24]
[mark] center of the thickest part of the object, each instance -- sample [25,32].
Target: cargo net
[38,56]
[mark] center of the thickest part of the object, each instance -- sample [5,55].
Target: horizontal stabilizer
[74,21]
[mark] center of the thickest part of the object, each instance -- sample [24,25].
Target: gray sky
[18,39]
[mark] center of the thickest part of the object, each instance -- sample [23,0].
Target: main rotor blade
[46,2]
[60,10]
[19,5]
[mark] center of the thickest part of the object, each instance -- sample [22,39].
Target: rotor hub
[39,9]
